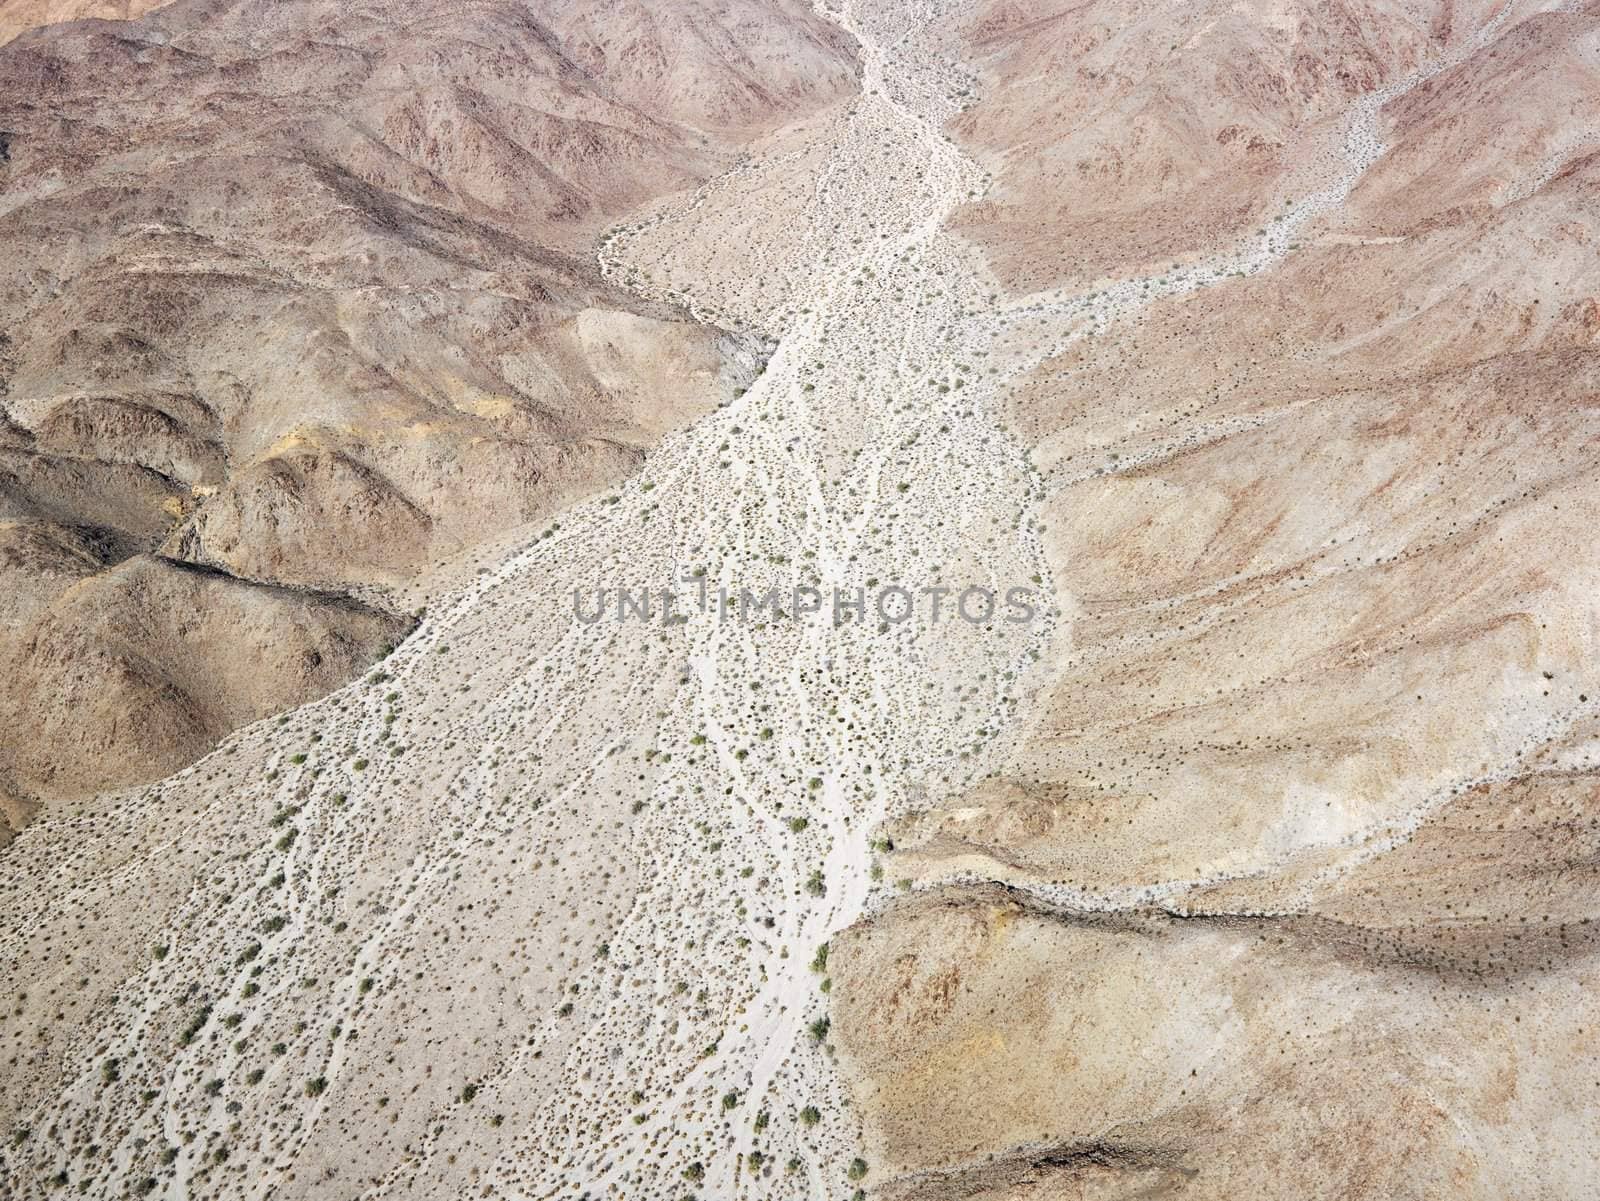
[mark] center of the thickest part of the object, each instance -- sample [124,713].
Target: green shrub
[196,1024]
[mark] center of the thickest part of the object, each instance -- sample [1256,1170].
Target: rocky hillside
[313,304]
[19,16]
[1303,823]
[1131,135]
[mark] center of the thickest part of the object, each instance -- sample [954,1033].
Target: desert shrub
[196,1024]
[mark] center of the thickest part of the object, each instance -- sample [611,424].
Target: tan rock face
[1127,135]
[1259,1035]
[1014,1051]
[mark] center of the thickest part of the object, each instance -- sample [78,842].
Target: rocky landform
[1285,886]
[1257,340]
[305,294]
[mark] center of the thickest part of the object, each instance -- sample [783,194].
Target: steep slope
[1125,137]
[143,667]
[1302,823]
[312,301]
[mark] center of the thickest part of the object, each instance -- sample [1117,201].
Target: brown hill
[1294,864]
[314,303]
[1125,136]
[147,664]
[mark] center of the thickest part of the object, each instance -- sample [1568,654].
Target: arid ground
[372,827]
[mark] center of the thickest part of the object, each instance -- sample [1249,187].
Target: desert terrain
[314,304]
[402,349]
